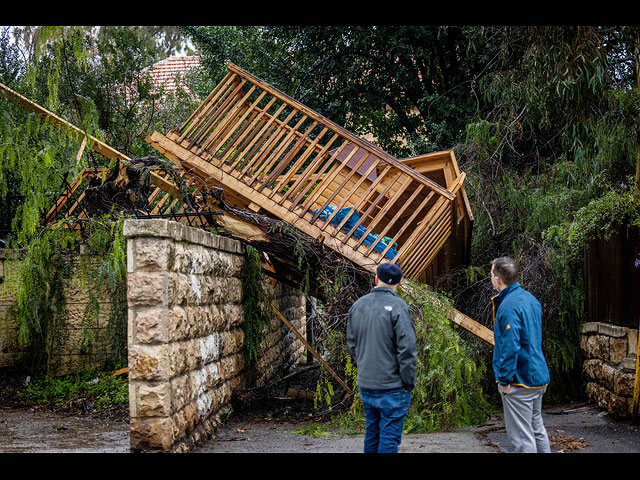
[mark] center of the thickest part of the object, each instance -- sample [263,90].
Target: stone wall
[186,337]
[609,353]
[82,341]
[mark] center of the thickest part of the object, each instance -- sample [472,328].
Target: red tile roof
[164,73]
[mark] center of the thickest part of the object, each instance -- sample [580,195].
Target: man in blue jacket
[382,341]
[518,363]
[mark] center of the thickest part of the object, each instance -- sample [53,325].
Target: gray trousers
[523,420]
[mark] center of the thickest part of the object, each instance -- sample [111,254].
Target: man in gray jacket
[382,341]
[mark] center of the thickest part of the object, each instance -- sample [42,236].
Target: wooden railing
[286,158]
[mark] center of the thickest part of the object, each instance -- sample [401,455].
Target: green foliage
[317,430]
[601,218]
[101,388]
[45,271]
[254,307]
[448,390]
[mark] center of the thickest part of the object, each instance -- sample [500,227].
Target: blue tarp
[360,231]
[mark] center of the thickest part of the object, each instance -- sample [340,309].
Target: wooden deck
[273,155]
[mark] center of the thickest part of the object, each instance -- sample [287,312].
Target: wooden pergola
[273,155]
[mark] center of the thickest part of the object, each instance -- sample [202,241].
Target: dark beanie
[389,273]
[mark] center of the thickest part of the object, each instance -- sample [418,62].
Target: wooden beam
[345,133]
[309,347]
[61,124]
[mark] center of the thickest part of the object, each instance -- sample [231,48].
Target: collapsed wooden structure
[273,155]
[276,157]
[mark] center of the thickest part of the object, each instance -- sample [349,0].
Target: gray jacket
[382,340]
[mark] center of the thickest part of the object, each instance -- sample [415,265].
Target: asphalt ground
[572,429]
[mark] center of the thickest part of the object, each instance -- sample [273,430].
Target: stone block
[149,362]
[152,324]
[617,349]
[606,376]
[153,254]
[146,288]
[153,399]
[152,433]
[624,383]
[210,348]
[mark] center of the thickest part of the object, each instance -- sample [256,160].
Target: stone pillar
[186,337]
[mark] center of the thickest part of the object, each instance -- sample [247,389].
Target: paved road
[572,430]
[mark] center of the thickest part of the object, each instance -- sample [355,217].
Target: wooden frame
[271,152]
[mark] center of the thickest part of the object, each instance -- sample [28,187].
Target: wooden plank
[323,185]
[252,136]
[291,175]
[345,133]
[226,122]
[269,133]
[408,223]
[318,175]
[247,113]
[302,142]
[339,188]
[277,152]
[365,198]
[61,124]
[324,364]
[220,110]
[398,214]
[380,216]
[199,111]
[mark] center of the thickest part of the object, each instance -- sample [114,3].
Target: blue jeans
[384,412]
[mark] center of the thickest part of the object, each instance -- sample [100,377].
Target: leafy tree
[94,78]
[412,87]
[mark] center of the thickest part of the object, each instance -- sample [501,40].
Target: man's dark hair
[506,269]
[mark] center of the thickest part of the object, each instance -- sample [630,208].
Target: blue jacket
[517,355]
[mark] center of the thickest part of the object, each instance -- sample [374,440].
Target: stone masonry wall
[83,341]
[609,353]
[186,338]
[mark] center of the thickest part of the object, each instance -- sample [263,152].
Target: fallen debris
[566,442]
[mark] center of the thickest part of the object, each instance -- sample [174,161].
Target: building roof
[165,72]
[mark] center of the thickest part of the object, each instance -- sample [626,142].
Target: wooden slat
[219,112]
[381,215]
[260,117]
[277,152]
[283,180]
[309,172]
[198,112]
[395,218]
[302,142]
[226,122]
[268,149]
[345,133]
[324,185]
[247,113]
[364,198]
